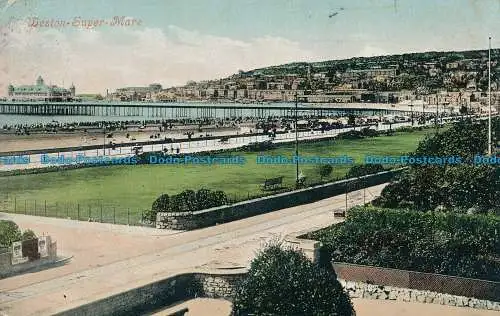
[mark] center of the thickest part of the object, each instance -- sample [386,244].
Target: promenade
[195,146]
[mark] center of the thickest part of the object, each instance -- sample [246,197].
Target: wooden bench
[338,213]
[273,184]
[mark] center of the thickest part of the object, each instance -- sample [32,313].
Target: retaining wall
[381,292]
[187,286]
[163,293]
[227,213]
[438,283]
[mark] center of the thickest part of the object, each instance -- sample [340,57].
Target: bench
[274,183]
[338,213]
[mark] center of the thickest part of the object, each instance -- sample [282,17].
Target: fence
[96,211]
[108,212]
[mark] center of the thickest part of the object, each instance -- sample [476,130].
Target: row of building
[254,90]
[154,93]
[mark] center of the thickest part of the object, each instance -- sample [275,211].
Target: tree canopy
[449,186]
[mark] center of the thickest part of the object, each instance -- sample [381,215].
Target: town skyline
[194,45]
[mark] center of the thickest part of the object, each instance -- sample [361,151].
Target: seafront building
[136,93]
[40,92]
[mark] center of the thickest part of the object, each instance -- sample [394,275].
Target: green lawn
[131,189]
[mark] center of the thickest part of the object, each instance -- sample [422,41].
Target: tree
[324,170]
[284,282]
[452,186]
[9,233]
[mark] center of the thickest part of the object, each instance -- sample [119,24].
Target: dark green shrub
[9,233]
[363,170]
[188,201]
[324,170]
[28,234]
[219,198]
[204,199]
[161,203]
[369,132]
[284,282]
[445,243]
[149,215]
[350,135]
[259,146]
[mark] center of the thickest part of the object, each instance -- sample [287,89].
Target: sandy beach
[11,142]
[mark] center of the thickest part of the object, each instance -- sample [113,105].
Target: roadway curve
[110,259]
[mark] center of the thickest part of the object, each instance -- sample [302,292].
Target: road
[109,259]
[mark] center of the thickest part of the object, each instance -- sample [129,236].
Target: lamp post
[437,112]
[423,112]
[296,141]
[103,140]
[411,109]
[489,98]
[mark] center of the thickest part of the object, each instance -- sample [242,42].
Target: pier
[201,110]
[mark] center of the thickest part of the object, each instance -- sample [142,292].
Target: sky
[173,42]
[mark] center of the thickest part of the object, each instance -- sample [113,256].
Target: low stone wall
[466,287]
[164,293]
[381,292]
[227,213]
[219,284]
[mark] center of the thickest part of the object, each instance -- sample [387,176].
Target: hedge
[444,243]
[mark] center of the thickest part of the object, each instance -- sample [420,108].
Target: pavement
[110,259]
[362,306]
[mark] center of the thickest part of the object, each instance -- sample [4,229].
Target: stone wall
[381,292]
[187,286]
[467,287]
[227,213]
[163,293]
[219,286]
